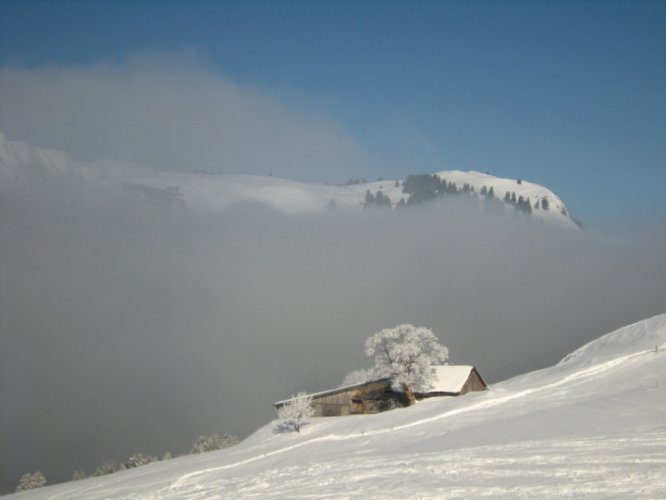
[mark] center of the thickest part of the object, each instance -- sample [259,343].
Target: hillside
[534,193]
[593,425]
[27,167]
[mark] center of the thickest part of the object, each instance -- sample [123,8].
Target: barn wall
[474,383]
[375,397]
[333,404]
[349,401]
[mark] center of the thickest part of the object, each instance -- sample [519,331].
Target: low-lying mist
[130,329]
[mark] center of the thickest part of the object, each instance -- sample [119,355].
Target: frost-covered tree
[406,354]
[359,377]
[214,442]
[107,467]
[30,481]
[369,199]
[381,200]
[296,412]
[78,475]
[421,188]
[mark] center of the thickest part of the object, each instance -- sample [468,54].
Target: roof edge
[333,391]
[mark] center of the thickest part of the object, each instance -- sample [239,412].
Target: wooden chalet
[376,396]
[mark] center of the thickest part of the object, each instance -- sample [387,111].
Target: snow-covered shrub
[137,460]
[296,412]
[406,354]
[107,467]
[30,481]
[78,475]
[214,442]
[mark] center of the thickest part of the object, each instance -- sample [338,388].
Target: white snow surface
[557,210]
[592,426]
[26,166]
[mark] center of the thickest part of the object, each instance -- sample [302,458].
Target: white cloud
[172,111]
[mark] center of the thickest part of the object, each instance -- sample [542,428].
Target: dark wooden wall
[354,400]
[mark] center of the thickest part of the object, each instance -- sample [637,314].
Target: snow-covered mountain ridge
[25,166]
[593,425]
[535,193]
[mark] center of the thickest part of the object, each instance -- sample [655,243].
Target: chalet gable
[454,380]
[377,395]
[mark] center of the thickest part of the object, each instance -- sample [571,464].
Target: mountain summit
[28,167]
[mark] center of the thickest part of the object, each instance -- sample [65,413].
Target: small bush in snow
[30,481]
[214,442]
[137,460]
[296,412]
[107,467]
[78,475]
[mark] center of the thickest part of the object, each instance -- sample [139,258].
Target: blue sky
[566,94]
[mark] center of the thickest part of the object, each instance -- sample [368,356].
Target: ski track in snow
[580,374]
[610,461]
[536,469]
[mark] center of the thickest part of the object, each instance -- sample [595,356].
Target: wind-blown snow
[593,425]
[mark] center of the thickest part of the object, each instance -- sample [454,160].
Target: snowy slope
[26,166]
[557,210]
[593,425]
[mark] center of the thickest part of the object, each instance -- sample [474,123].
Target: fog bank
[173,111]
[126,328]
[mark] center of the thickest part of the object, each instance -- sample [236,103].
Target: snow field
[593,426]
[624,467]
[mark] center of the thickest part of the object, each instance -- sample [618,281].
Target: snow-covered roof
[447,378]
[334,391]
[450,378]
